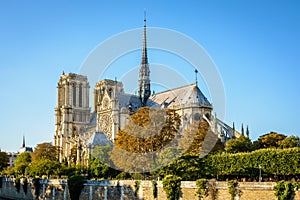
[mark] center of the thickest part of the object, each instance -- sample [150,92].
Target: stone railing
[125,190]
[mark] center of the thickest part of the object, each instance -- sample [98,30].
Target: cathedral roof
[97,138]
[189,94]
[129,99]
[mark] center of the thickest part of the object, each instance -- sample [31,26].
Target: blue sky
[255,45]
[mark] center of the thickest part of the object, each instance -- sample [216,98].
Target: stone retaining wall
[124,190]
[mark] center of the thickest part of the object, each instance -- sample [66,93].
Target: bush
[284,190]
[202,189]
[171,185]
[75,184]
[232,188]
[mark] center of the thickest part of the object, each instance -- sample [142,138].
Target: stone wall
[125,190]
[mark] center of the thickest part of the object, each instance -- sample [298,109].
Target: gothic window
[110,92]
[74,94]
[80,95]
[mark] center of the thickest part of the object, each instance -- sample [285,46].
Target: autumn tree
[148,131]
[45,151]
[193,137]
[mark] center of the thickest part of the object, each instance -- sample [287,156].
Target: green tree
[99,169]
[270,140]
[44,167]
[241,144]
[289,142]
[3,160]
[22,163]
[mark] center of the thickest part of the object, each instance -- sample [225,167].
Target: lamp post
[259,166]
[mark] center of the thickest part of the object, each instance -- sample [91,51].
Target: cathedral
[79,128]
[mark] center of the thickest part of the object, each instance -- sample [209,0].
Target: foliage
[45,151]
[270,140]
[22,163]
[17,184]
[3,160]
[148,131]
[188,167]
[154,189]
[75,184]
[136,187]
[123,176]
[25,183]
[289,142]
[284,190]
[44,167]
[171,185]
[241,144]
[202,189]
[193,137]
[232,188]
[272,162]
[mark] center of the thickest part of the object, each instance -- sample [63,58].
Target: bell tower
[72,112]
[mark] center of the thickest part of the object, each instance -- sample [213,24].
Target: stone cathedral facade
[79,128]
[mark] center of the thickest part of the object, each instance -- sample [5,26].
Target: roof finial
[196,73]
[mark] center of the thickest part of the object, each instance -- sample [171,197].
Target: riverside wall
[125,190]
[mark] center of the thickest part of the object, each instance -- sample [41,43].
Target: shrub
[75,184]
[202,189]
[232,188]
[284,190]
[171,185]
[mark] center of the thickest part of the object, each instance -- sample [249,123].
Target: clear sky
[255,45]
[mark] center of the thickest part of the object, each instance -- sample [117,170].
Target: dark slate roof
[129,99]
[188,94]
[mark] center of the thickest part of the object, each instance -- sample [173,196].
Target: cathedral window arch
[80,95]
[74,94]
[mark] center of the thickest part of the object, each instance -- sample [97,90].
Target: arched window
[80,95]
[74,94]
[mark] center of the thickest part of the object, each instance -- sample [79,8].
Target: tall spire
[23,145]
[144,79]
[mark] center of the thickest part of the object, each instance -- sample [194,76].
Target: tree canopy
[22,163]
[241,144]
[45,151]
[3,160]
